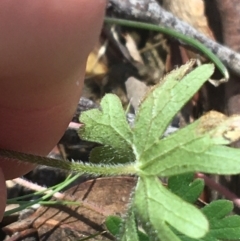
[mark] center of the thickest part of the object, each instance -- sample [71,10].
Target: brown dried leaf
[102,196]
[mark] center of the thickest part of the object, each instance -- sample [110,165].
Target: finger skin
[44,46]
[3,194]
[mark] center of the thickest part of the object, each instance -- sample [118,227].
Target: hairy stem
[91,169]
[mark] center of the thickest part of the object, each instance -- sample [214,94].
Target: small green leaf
[186,187]
[142,236]
[163,102]
[129,230]
[222,227]
[193,148]
[217,209]
[216,160]
[159,207]
[108,155]
[113,224]
[198,151]
[108,126]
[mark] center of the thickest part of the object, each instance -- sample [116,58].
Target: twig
[219,188]
[36,187]
[150,11]
[74,125]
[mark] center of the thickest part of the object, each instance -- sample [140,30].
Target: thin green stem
[190,41]
[16,199]
[26,205]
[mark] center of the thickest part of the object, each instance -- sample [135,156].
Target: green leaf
[129,229]
[196,147]
[163,102]
[197,151]
[108,126]
[186,187]
[114,225]
[221,226]
[108,155]
[158,207]
[217,209]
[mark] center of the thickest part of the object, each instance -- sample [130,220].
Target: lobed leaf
[108,126]
[195,148]
[160,208]
[186,187]
[163,102]
[129,229]
[108,155]
[114,224]
[221,226]
[217,209]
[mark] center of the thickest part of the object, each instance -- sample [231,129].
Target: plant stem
[150,11]
[220,189]
[48,195]
[58,195]
[188,40]
[91,169]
